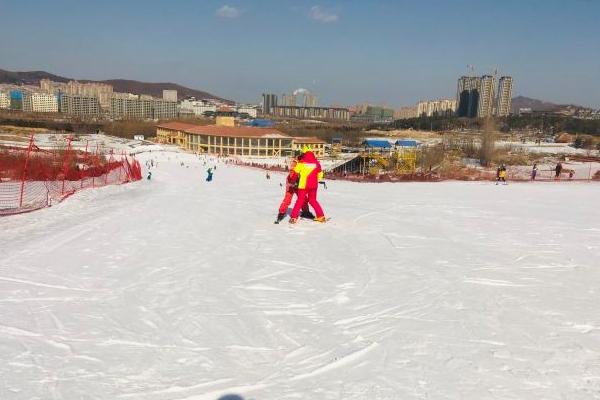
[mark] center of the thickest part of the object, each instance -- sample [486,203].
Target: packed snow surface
[177,288]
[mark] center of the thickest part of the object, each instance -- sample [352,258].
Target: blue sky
[346,51]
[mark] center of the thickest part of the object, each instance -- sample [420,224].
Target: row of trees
[546,123]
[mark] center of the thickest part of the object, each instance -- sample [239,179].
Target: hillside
[534,104]
[28,77]
[119,85]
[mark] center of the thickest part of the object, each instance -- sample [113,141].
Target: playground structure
[379,156]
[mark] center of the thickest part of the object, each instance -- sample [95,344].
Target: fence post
[110,159]
[120,169]
[65,165]
[25,171]
[93,177]
[86,160]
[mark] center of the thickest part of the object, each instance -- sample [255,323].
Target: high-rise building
[504,101]
[485,108]
[475,96]
[468,96]
[170,95]
[269,101]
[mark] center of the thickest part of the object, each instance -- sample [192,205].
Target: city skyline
[380,52]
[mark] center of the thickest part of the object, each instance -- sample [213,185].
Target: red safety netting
[32,178]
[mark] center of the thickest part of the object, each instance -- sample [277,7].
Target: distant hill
[29,77]
[534,104]
[119,85]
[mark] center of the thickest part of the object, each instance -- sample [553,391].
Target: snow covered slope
[182,289]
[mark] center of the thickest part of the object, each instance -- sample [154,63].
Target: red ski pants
[287,200]
[305,195]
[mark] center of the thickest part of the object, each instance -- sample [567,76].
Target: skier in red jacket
[291,188]
[309,174]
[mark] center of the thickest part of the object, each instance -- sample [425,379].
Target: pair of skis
[277,221]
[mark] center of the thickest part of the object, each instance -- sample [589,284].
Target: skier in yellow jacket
[309,173]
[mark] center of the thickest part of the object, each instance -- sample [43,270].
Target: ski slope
[179,289]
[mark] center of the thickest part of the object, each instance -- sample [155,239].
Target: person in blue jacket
[210,175]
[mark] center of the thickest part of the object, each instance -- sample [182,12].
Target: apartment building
[436,107]
[170,95]
[85,106]
[131,106]
[40,102]
[406,113]
[4,100]
[197,107]
[327,113]
[102,91]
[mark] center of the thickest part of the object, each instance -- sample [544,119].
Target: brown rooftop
[237,131]
[176,126]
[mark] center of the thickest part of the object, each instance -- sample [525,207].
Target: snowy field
[179,289]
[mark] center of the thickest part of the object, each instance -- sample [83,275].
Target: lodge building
[235,140]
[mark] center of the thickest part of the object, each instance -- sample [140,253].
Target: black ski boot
[307,215]
[280,216]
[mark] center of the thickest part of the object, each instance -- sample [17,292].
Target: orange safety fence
[32,178]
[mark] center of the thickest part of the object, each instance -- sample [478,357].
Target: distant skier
[291,188]
[534,171]
[571,173]
[501,174]
[149,177]
[268,176]
[309,174]
[209,175]
[558,170]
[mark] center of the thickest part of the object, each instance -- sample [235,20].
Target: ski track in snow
[179,289]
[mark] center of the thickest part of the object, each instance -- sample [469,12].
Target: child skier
[501,174]
[309,174]
[291,188]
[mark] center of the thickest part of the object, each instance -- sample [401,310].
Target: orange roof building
[235,140]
